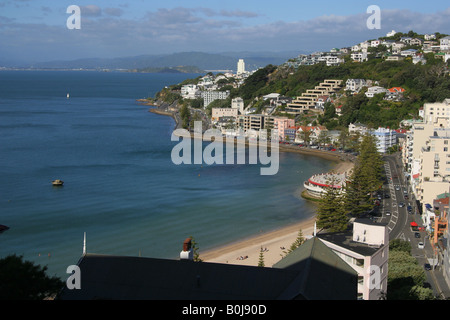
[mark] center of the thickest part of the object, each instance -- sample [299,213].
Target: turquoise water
[121,186]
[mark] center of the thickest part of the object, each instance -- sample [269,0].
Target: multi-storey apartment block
[307,101]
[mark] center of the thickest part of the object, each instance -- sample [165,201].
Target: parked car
[427,266]
[401,204]
[387,196]
[420,245]
[388,213]
[417,235]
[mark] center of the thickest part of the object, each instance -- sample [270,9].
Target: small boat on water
[3,228]
[57,182]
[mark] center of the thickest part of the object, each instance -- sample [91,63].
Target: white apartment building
[238,103]
[355,128]
[210,96]
[371,91]
[355,85]
[332,60]
[391,34]
[190,91]
[397,46]
[437,113]
[426,152]
[359,56]
[366,250]
[364,46]
[240,67]
[385,138]
[434,159]
[445,43]
[375,43]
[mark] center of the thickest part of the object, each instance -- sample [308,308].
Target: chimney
[187,253]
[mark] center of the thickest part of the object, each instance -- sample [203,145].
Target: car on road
[427,266]
[388,213]
[401,204]
[417,235]
[397,188]
[420,245]
[387,196]
[409,209]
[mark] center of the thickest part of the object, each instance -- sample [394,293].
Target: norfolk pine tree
[297,243]
[261,258]
[366,178]
[331,213]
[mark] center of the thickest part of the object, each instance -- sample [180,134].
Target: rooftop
[312,272]
[345,239]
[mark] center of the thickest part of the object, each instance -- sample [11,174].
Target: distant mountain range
[201,60]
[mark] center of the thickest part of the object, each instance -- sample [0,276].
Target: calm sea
[121,186]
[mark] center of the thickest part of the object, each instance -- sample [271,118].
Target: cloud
[110,34]
[115,12]
[91,10]
[46,9]
[238,13]
[176,16]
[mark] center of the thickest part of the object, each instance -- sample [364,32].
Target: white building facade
[241,67]
[386,138]
[366,250]
[210,96]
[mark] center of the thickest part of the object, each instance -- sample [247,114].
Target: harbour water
[120,185]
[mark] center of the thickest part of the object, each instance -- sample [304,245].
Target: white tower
[241,66]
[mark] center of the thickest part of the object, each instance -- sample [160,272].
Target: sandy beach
[273,242]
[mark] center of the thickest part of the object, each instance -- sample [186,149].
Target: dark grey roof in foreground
[320,268]
[137,278]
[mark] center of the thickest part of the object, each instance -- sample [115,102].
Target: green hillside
[423,83]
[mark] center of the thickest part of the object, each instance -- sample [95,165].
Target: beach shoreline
[274,243]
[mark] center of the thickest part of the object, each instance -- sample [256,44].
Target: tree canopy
[23,280]
[365,180]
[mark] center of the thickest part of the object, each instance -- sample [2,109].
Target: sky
[36,30]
